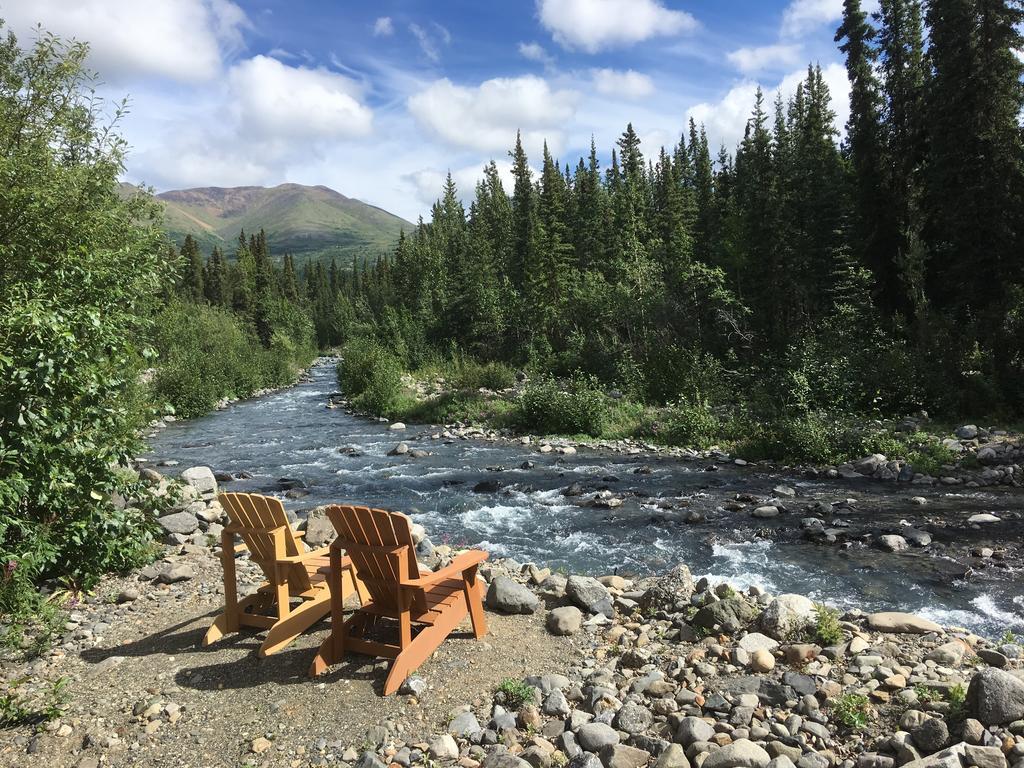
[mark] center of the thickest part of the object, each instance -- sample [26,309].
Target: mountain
[307,222]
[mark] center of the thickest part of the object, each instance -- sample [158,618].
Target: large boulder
[200,478]
[901,623]
[179,522]
[670,593]
[319,531]
[510,597]
[589,594]
[787,615]
[729,615]
[996,697]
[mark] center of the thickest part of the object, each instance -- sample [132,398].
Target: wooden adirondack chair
[291,573]
[381,547]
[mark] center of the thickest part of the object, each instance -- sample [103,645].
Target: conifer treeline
[885,271]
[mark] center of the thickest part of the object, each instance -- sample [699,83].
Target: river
[292,434]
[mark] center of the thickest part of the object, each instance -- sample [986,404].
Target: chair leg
[227,622]
[332,649]
[419,650]
[471,588]
[295,623]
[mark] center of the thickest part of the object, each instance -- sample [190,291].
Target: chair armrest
[239,548]
[298,534]
[322,552]
[462,562]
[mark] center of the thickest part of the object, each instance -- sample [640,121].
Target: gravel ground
[143,692]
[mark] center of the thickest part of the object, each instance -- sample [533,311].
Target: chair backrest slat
[375,531]
[261,515]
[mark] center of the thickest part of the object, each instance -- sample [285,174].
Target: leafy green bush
[207,353]
[470,374]
[370,375]
[826,625]
[692,424]
[79,276]
[852,710]
[576,406]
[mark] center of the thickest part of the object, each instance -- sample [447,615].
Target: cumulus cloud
[628,84]
[802,16]
[726,119]
[765,57]
[592,25]
[279,101]
[486,117]
[383,27]
[535,52]
[178,39]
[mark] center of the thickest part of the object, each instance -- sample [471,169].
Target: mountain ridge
[308,222]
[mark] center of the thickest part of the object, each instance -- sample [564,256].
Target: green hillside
[307,222]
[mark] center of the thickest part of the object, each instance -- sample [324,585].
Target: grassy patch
[516,693]
[19,707]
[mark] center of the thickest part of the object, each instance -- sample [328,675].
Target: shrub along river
[342,458]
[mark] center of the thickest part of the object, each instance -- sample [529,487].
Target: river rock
[673,756]
[931,735]
[996,697]
[730,615]
[396,426]
[966,432]
[982,519]
[948,654]
[443,747]
[179,522]
[692,730]
[175,573]
[464,724]
[785,615]
[200,478]
[589,594]
[487,486]
[742,753]
[762,660]
[754,641]
[632,718]
[992,658]
[399,450]
[623,756]
[319,530]
[509,596]
[901,623]
[670,593]
[565,620]
[893,543]
[766,511]
[593,737]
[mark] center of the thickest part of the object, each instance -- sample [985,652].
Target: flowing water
[292,434]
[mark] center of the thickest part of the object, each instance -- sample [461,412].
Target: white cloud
[591,25]
[430,43]
[275,100]
[726,119]
[428,182]
[771,57]
[628,84]
[178,39]
[383,27]
[536,52]
[801,16]
[486,117]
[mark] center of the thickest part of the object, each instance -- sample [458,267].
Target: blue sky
[379,100]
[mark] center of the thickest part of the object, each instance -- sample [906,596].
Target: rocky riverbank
[977,456]
[603,672]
